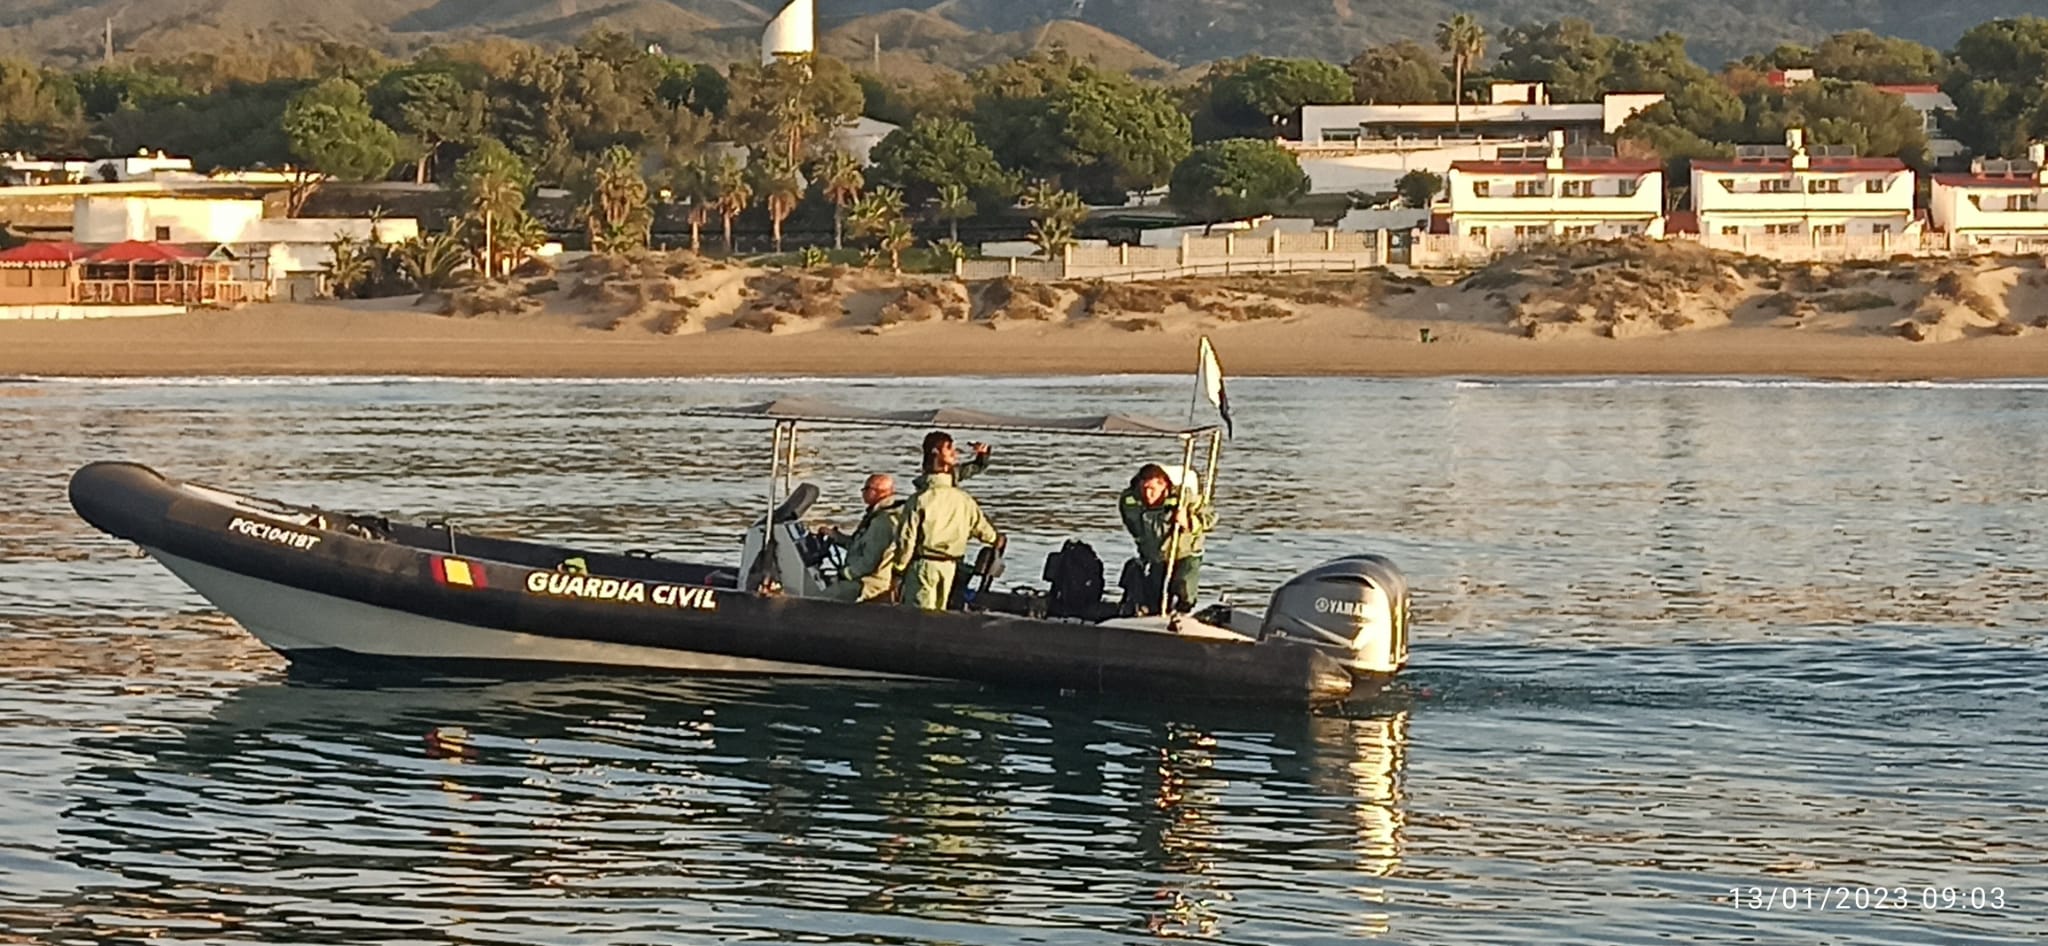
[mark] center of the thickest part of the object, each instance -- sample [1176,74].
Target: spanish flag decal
[459,573]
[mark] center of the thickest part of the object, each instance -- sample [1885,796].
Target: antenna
[107,43]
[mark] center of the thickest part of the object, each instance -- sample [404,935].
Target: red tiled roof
[2015,181]
[52,251]
[1682,222]
[1571,166]
[1784,165]
[138,251]
[1910,89]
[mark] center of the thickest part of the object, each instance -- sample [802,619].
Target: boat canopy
[812,410]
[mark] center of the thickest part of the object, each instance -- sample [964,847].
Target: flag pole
[1196,395]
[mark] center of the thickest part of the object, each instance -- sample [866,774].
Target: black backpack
[1075,574]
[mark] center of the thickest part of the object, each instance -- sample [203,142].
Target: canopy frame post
[1187,462]
[789,463]
[766,569]
[1209,475]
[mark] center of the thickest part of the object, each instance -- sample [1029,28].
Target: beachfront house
[1997,206]
[1543,194]
[1367,148]
[1805,202]
[39,274]
[295,251]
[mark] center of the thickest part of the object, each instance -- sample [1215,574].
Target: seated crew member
[942,441]
[932,535]
[867,575]
[1150,508]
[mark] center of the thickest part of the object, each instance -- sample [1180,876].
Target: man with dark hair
[1151,507]
[939,441]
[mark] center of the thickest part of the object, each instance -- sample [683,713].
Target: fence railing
[1314,251]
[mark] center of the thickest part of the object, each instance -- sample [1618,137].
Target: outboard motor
[1356,607]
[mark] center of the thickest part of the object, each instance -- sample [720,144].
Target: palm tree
[430,260]
[616,212]
[953,205]
[349,266]
[841,179]
[1052,234]
[781,189]
[1462,39]
[894,238]
[873,211]
[735,194]
[696,183]
[1041,194]
[492,182]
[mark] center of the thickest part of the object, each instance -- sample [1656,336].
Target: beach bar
[39,273]
[142,273]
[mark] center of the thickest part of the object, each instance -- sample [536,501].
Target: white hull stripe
[288,619]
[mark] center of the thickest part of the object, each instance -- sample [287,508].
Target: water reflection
[729,808]
[1674,637]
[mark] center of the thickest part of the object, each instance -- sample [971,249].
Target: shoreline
[339,341]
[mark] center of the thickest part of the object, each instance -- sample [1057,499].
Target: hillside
[959,33]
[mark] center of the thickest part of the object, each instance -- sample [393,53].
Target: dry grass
[794,295]
[760,319]
[1953,285]
[1012,299]
[488,299]
[925,302]
[1107,298]
[1853,301]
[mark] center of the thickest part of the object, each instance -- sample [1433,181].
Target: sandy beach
[317,340]
[732,320]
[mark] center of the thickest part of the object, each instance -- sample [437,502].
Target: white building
[1549,193]
[1376,166]
[1998,202]
[1935,108]
[144,165]
[1368,148]
[1770,199]
[1518,111]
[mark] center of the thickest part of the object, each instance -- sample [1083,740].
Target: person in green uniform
[1149,508]
[866,575]
[939,440]
[932,536]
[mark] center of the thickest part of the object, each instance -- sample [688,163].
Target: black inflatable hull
[327,585]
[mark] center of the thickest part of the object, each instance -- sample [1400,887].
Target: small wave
[1990,384]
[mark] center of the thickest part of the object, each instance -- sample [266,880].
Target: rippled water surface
[1675,640]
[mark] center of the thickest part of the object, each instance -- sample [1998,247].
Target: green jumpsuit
[932,539]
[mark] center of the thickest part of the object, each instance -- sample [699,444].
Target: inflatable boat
[320,585]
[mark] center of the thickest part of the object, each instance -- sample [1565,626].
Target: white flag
[1209,381]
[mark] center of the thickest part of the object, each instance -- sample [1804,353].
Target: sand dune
[676,315]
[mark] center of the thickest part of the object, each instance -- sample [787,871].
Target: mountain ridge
[1178,32]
